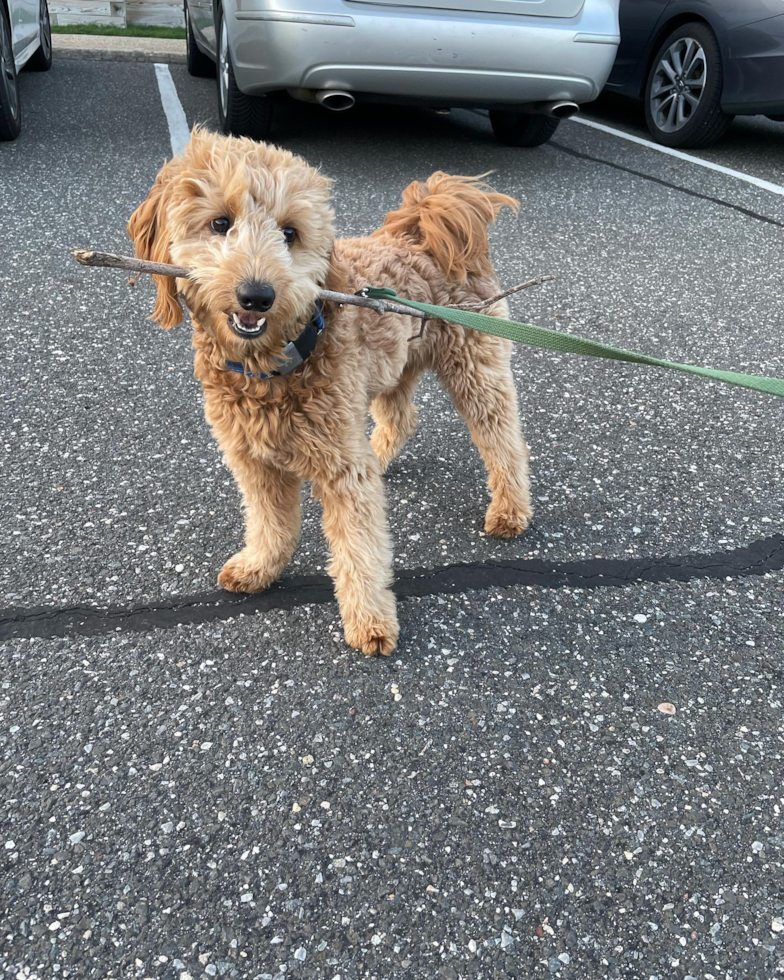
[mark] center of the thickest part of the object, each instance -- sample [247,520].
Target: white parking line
[765,185]
[179,133]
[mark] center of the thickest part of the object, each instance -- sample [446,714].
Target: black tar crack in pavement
[762,556]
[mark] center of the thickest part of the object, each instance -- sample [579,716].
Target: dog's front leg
[355,525]
[271,499]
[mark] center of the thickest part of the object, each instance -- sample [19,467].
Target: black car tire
[196,61]
[10,119]
[708,122]
[522,128]
[242,115]
[42,59]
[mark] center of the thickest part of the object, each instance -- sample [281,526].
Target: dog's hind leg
[271,501]
[355,525]
[476,372]
[395,415]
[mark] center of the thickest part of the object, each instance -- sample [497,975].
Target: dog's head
[254,225]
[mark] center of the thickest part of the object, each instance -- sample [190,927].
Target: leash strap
[526,333]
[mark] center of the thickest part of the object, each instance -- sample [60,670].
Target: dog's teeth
[244,329]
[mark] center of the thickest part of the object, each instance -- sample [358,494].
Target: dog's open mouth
[247,324]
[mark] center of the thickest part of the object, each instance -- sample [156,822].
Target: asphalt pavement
[571,767]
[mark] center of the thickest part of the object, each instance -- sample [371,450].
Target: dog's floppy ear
[147,230]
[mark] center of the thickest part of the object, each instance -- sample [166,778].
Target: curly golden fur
[310,425]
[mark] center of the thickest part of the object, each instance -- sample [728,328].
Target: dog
[288,381]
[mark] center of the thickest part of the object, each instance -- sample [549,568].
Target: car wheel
[683,91]
[197,62]
[42,59]
[522,128]
[240,114]
[10,109]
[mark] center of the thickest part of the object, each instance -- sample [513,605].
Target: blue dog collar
[294,353]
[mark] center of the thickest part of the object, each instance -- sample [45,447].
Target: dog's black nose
[257,296]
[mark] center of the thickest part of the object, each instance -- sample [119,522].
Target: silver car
[25,41]
[530,62]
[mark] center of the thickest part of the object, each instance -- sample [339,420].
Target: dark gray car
[695,64]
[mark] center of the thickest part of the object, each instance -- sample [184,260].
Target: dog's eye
[220,225]
[289,236]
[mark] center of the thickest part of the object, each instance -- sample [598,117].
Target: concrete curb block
[86,47]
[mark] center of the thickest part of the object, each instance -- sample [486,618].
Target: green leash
[526,333]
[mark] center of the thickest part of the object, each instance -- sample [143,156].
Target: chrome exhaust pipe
[560,110]
[332,99]
[336,101]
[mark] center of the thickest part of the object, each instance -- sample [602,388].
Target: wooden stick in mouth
[108,260]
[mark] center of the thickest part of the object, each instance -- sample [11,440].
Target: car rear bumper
[754,73]
[458,57]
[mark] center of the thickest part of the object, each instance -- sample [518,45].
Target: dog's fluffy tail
[447,217]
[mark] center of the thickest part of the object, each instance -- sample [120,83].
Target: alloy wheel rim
[7,73]
[678,84]
[223,61]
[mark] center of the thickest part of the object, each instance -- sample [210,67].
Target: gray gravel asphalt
[753,144]
[507,796]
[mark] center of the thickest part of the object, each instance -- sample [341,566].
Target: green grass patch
[136,30]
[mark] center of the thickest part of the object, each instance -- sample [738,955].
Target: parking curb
[88,47]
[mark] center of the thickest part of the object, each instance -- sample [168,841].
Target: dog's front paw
[373,636]
[242,574]
[505,520]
